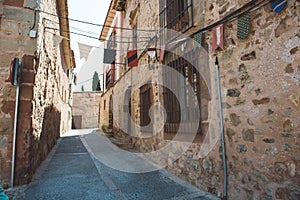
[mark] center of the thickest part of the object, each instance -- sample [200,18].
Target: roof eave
[108,22]
[62,7]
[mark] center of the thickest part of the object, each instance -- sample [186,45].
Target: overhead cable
[90,23]
[87,80]
[235,14]
[57,29]
[248,7]
[89,32]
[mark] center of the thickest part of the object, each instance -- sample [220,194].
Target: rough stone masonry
[45,98]
[260,93]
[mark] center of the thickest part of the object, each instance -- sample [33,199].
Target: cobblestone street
[73,171]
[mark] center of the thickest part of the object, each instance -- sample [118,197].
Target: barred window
[111,43]
[110,113]
[181,108]
[134,38]
[146,99]
[108,81]
[181,104]
[176,14]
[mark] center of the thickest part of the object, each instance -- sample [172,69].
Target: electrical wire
[34,21]
[82,82]
[89,32]
[254,8]
[98,47]
[88,36]
[248,7]
[90,23]
[57,35]
[84,31]
[259,6]
[93,33]
[234,15]
[230,17]
[88,80]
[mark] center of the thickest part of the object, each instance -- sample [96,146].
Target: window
[182,105]
[146,97]
[108,81]
[111,43]
[181,108]
[176,14]
[110,113]
[134,38]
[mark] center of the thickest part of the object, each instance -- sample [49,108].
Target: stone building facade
[259,79]
[45,92]
[86,110]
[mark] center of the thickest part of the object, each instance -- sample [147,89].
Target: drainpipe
[221,131]
[18,69]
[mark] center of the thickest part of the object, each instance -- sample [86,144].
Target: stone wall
[260,83]
[105,102]
[45,98]
[87,106]
[14,43]
[143,15]
[260,95]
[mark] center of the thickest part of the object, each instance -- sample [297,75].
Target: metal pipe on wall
[18,68]
[221,130]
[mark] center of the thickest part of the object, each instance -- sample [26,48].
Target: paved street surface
[75,170]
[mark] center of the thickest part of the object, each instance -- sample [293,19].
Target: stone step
[121,145]
[204,127]
[123,139]
[109,135]
[107,131]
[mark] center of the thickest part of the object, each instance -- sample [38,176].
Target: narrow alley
[72,171]
[149,99]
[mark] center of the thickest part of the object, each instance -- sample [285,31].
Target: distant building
[93,63]
[33,33]
[86,110]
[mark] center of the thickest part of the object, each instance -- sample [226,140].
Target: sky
[93,11]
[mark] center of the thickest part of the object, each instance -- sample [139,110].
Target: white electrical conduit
[18,68]
[221,130]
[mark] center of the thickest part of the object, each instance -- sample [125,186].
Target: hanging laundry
[109,56]
[75,78]
[198,40]
[278,5]
[218,40]
[84,50]
[162,53]
[57,39]
[243,26]
[152,52]
[3,196]
[132,58]
[15,69]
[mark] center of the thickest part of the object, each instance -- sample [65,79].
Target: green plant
[98,86]
[104,128]
[95,81]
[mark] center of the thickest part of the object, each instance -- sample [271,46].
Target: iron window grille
[145,105]
[111,43]
[183,107]
[108,79]
[134,38]
[110,113]
[176,15]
